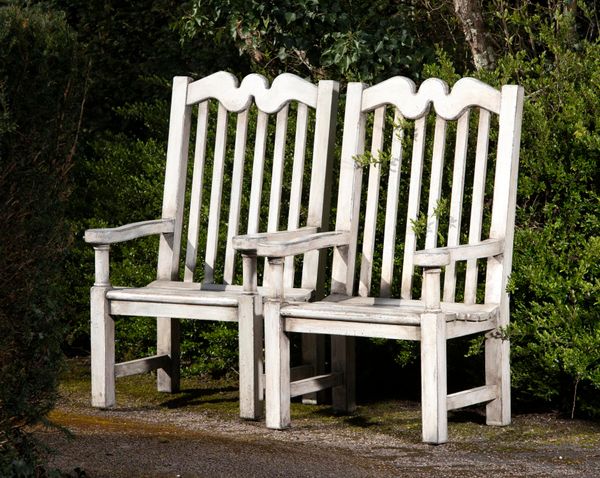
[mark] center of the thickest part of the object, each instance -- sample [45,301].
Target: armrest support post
[276,277]
[249,273]
[102,265]
[431,288]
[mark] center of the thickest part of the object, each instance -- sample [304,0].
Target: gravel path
[130,443]
[197,434]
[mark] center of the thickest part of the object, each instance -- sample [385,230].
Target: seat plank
[386,310]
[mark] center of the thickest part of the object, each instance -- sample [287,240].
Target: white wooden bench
[177,293]
[483,172]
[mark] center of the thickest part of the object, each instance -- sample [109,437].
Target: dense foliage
[41,93]
[345,40]
[109,151]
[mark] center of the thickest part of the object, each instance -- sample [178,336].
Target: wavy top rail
[223,87]
[402,93]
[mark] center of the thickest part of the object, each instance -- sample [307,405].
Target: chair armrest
[129,231]
[289,243]
[442,256]
[248,241]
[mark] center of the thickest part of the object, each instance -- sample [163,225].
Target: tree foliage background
[84,90]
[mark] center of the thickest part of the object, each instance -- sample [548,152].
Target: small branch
[81,108]
[574,398]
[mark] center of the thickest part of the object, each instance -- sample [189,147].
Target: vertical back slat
[391,208]
[366,267]
[276,177]
[296,186]
[313,267]
[277,172]
[258,165]
[414,198]
[237,180]
[475,225]
[214,214]
[435,184]
[191,253]
[456,200]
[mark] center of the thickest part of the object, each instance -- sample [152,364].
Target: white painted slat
[391,208]
[191,253]
[277,172]
[456,200]
[214,214]
[366,266]
[296,187]
[435,184]
[237,181]
[277,176]
[475,226]
[258,165]
[414,199]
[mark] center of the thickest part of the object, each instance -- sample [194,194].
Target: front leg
[277,353]
[102,334]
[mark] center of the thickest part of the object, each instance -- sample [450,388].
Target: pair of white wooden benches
[385,241]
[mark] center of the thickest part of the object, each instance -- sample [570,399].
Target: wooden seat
[247,161]
[387,310]
[409,216]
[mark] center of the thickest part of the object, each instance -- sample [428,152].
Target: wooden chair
[176,295]
[478,307]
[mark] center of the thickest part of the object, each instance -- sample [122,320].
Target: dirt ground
[196,433]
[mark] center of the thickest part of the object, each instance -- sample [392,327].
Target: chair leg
[433,378]
[277,367]
[102,335]
[343,361]
[167,343]
[497,372]
[313,353]
[251,363]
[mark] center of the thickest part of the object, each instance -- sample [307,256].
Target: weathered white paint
[429,320]
[169,298]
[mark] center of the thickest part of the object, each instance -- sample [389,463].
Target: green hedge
[41,91]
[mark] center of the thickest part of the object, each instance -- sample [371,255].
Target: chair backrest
[242,165]
[420,186]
